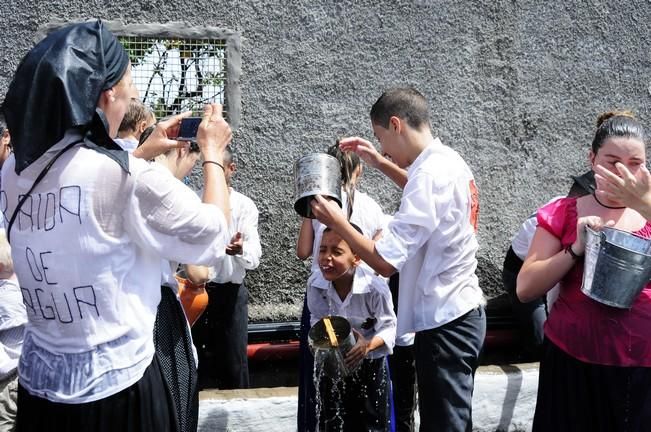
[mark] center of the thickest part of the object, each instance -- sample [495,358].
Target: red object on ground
[290,350]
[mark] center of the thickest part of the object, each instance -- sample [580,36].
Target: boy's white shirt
[244,219]
[369,301]
[432,243]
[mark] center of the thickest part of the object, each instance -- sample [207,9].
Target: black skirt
[577,396]
[145,406]
[174,352]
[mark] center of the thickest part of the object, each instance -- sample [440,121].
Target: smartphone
[188,129]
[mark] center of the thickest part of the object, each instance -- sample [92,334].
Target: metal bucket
[331,358]
[316,174]
[617,267]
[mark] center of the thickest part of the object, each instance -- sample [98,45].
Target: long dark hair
[349,162]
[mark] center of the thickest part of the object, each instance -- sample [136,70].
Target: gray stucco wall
[515,87]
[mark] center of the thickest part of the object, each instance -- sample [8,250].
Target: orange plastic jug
[194,298]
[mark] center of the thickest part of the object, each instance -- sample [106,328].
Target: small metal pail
[331,358]
[617,267]
[316,174]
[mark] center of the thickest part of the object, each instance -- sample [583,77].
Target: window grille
[179,67]
[175,75]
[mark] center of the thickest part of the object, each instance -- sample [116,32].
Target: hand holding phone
[188,129]
[214,133]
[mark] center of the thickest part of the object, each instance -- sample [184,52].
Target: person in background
[137,118]
[431,241]
[221,333]
[346,287]
[531,315]
[595,371]
[5,142]
[172,337]
[89,268]
[13,318]
[366,213]
[402,368]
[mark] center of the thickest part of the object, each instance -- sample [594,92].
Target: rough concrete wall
[515,87]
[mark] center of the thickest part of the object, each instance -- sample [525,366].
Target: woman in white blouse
[88,224]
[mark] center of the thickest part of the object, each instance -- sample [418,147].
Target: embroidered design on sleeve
[474,205]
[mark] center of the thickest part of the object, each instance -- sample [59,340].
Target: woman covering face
[88,225]
[595,373]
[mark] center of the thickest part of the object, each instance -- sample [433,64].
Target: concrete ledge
[504,400]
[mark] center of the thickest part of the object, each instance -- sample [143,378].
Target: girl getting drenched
[595,374]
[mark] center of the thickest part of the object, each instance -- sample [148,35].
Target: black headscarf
[57,87]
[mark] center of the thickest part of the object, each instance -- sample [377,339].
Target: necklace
[607,206]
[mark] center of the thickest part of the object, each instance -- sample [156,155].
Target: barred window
[177,67]
[174,75]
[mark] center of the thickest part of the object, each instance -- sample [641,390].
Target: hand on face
[358,352]
[235,246]
[327,212]
[363,148]
[631,191]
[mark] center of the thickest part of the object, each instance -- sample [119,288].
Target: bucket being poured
[316,174]
[330,339]
[617,267]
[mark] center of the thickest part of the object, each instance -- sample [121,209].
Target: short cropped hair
[136,113]
[405,103]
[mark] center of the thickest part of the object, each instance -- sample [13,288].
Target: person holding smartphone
[89,267]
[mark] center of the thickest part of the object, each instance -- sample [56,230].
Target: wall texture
[514,86]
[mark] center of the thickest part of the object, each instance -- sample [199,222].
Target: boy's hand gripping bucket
[331,353]
[617,267]
[316,174]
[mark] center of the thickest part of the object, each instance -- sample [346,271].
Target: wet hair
[145,134]
[615,124]
[349,162]
[357,228]
[136,113]
[405,103]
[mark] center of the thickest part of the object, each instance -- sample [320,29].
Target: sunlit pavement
[504,400]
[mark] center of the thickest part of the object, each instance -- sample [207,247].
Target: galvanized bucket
[617,267]
[316,174]
[331,358]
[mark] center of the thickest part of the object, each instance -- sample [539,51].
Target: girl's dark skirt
[175,356]
[577,396]
[145,406]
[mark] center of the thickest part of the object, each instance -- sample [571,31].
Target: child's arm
[361,348]
[305,241]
